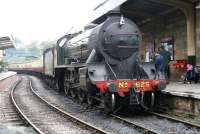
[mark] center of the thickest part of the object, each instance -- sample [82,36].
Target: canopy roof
[137,10]
[6,42]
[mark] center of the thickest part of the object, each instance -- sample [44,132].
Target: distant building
[22,59]
[31,64]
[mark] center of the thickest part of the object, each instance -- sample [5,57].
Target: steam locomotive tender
[101,65]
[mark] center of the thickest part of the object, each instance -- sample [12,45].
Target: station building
[174,24]
[30,64]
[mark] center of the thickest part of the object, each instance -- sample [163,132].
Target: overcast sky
[43,19]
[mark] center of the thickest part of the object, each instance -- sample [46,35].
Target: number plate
[123,84]
[142,84]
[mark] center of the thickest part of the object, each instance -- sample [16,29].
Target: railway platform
[183,90]
[180,98]
[4,75]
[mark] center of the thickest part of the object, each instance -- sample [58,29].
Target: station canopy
[6,42]
[139,11]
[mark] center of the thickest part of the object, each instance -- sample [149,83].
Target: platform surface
[4,75]
[185,90]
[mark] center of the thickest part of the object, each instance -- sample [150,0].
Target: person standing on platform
[159,65]
[167,57]
[189,73]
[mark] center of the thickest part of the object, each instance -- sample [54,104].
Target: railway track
[71,117]
[187,123]
[136,125]
[20,111]
[8,113]
[148,129]
[49,119]
[169,127]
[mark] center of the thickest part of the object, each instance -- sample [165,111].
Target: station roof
[139,10]
[6,42]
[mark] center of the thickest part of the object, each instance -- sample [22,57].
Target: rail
[71,117]
[18,109]
[146,130]
[187,123]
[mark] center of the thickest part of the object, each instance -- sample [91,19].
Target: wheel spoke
[67,88]
[73,93]
[92,101]
[89,99]
[81,95]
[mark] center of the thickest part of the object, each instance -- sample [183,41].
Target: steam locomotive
[101,65]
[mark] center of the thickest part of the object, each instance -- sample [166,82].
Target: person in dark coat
[159,65]
[167,57]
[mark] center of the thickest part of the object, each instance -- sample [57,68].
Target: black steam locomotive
[101,65]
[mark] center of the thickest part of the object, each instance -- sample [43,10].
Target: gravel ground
[10,123]
[90,115]
[183,116]
[163,126]
[48,120]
